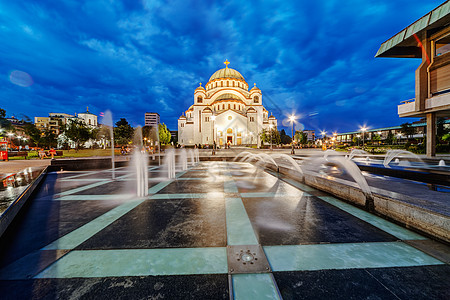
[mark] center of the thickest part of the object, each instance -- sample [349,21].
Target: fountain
[107,120]
[289,159]
[139,162]
[391,154]
[191,157]
[183,159]
[441,163]
[328,152]
[169,163]
[357,152]
[196,155]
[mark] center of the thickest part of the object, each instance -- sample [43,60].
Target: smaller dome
[271,117]
[255,88]
[207,110]
[200,87]
[182,117]
[251,109]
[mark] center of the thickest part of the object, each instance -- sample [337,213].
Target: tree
[407,130]
[5,125]
[164,134]
[285,139]
[48,139]
[300,137]
[441,129]
[78,132]
[390,138]
[33,132]
[376,137]
[123,132]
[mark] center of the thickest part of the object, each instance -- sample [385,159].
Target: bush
[443,148]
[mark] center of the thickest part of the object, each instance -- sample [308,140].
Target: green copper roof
[403,44]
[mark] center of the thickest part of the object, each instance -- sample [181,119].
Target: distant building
[419,132]
[225,111]
[311,135]
[429,39]
[88,118]
[55,121]
[151,119]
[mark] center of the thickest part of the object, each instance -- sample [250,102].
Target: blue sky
[312,57]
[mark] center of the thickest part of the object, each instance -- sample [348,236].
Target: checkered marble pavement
[217,230]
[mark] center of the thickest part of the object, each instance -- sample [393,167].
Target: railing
[408,101]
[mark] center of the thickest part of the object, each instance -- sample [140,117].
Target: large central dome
[227,73]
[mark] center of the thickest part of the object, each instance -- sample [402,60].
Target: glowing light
[20,78]
[292,118]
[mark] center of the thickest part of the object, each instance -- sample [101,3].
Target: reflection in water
[12,185]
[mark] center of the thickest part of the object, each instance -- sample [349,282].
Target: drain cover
[247,259]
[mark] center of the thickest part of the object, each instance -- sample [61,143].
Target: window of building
[442,45]
[199,99]
[228,83]
[252,119]
[229,130]
[234,106]
[206,119]
[229,106]
[182,125]
[255,99]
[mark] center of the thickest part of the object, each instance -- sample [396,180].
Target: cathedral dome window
[256,99]
[199,99]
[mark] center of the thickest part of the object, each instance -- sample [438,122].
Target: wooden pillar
[431,134]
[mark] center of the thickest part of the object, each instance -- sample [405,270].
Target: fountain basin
[411,212]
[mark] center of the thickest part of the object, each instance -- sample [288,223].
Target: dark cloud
[312,57]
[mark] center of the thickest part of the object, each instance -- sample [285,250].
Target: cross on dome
[226,62]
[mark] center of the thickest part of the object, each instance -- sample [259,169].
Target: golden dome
[226,73]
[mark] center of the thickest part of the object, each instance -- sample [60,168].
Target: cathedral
[225,112]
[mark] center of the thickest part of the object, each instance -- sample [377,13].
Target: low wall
[14,208]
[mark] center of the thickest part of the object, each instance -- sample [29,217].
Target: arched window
[199,99]
[221,83]
[255,99]
[229,106]
[228,83]
[223,106]
[234,106]
[233,83]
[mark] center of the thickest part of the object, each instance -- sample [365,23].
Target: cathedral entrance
[230,140]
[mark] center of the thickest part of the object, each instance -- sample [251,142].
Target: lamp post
[363,129]
[358,136]
[271,126]
[292,120]
[324,134]
[214,141]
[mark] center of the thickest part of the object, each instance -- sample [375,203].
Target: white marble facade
[226,109]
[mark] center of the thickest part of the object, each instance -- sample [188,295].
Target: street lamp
[214,141]
[363,129]
[271,126]
[324,133]
[292,120]
[358,136]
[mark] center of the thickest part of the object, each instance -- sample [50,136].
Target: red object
[3,150]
